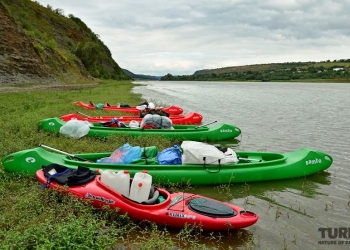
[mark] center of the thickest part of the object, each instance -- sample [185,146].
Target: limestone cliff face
[38,45]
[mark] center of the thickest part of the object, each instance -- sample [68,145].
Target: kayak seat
[152,198]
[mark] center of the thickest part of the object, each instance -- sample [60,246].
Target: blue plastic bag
[114,123]
[123,155]
[170,156]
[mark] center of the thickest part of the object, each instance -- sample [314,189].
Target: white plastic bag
[230,156]
[134,124]
[194,152]
[75,128]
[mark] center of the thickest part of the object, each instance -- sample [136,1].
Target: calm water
[278,117]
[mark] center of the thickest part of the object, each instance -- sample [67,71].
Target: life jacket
[67,176]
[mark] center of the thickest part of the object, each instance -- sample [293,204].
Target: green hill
[40,44]
[140,76]
[337,70]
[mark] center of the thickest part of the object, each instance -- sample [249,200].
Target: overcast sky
[156,37]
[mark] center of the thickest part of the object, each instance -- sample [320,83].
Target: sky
[157,37]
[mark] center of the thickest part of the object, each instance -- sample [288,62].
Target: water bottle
[120,181]
[141,186]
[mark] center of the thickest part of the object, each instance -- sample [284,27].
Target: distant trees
[281,72]
[167,77]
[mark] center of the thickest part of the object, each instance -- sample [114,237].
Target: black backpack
[67,176]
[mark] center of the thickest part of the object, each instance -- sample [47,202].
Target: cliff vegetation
[41,45]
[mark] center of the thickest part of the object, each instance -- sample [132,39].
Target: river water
[278,117]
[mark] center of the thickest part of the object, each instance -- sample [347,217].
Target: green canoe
[252,166]
[219,132]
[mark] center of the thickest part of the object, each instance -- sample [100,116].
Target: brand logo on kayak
[30,160]
[51,124]
[226,131]
[312,162]
[99,198]
[182,216]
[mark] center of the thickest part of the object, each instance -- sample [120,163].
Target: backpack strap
[48,181]
[206,168]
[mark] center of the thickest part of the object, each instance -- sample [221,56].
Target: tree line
[279,74]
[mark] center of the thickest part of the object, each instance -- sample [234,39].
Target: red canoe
[171,110]
[189,118]
[173,209]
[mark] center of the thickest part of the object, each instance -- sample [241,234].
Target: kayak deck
[252,166]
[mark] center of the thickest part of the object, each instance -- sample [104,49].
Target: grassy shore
[33,218]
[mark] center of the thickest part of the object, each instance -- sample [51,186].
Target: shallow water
[278,117]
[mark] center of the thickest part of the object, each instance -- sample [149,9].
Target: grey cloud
[159,37]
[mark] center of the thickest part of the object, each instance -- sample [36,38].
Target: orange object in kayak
[171,110]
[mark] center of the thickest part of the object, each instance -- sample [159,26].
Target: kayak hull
[171,110]
[263,166]
[218,132]
[189,118]
[174,211]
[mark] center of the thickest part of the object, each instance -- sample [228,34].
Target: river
[278,117]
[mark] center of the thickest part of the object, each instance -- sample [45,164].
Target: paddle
[68,154]
[205,124]
[83,114]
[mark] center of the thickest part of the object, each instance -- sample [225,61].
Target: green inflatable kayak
[251,166]
[218,132]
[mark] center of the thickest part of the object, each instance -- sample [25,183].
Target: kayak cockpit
[259,157]
[156,196]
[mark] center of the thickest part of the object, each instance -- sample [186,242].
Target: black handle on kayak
[208,170]
[62,152]
[205,124]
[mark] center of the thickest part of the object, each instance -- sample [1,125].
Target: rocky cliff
[41,46]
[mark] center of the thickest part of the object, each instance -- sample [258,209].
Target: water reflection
[188,238]
[231,239]
[307,187]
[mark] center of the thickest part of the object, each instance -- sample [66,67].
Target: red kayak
[171,110]
[189,118]
[163,208]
